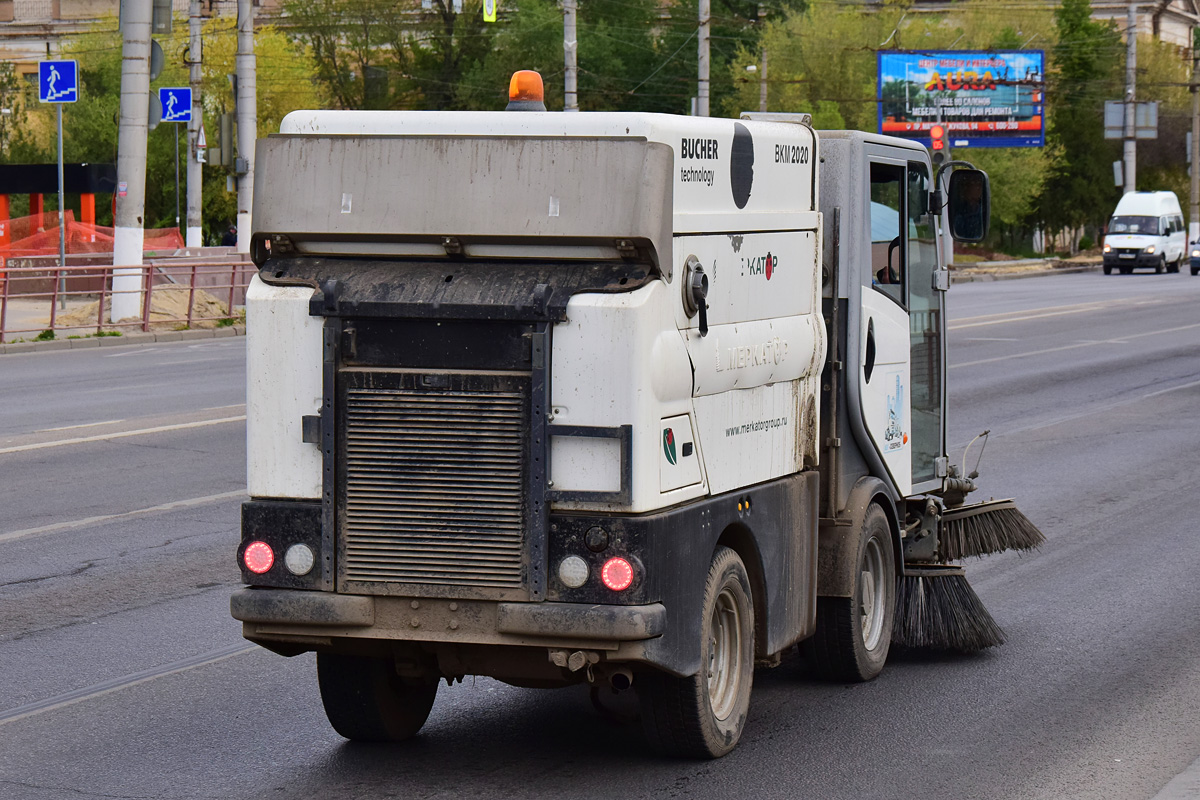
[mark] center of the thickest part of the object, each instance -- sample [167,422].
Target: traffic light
[937,144]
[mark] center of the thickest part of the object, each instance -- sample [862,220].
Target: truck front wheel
[366,701]
[854,633]
[703,715]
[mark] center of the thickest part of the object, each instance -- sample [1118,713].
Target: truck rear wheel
[366,701]
[703,715]
[854,633]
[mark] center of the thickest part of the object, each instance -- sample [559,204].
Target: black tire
[854,633]
[366,701]
[1161,266]
[1174,268]
[1195,270]
[703,715]
[1107,269]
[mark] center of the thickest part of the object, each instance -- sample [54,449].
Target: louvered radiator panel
[433,490]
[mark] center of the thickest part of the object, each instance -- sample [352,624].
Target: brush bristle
[987,530]
[944,613]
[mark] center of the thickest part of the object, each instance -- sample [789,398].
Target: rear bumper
[285,612]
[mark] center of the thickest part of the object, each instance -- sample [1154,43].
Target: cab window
[888,256]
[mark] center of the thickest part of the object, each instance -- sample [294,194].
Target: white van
[1146,230]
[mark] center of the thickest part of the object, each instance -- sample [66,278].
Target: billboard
[984,99]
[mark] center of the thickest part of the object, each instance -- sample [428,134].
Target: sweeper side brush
[940,610]
[988,527]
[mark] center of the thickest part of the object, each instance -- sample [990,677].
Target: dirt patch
[1042,266]
[168,311]
[967,255]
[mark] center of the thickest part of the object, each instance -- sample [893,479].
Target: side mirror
[970,205]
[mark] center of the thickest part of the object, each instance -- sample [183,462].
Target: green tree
[528,35]
[381,54]
[285,83]
[1163,77]
[1085,61]
[12,105]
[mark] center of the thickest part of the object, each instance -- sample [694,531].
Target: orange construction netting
[37,235]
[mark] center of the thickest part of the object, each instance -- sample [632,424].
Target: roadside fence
[177,293]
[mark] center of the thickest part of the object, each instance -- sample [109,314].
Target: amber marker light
[525,91]
[526,85]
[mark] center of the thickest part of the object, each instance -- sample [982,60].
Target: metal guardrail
[55,286]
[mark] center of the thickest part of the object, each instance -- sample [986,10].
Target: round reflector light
[258,557]
[617,574]
[299,559]
[573,572]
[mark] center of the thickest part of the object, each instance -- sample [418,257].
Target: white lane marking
[188,361]
[1022,318]
[81,523]
[1100,409]
[1048,311]
[102,437]
[123,682]
[84,425]
[141,351]
[222,408]
[1082,306]
[1184,786]
[1077,345]
[1172,389]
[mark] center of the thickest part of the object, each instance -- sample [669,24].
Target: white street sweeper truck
[636,400]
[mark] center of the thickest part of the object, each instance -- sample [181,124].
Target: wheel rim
[871,594]
[724,655]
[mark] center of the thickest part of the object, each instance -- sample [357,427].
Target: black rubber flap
[353,287]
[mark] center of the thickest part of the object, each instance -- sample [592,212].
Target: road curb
[965,276]
[137,338]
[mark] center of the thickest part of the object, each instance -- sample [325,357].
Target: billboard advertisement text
[983,99]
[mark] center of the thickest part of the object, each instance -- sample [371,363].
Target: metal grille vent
[433,488]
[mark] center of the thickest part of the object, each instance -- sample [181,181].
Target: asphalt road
[124,676]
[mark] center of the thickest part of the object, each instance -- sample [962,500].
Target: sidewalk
[25,319]
[125,339]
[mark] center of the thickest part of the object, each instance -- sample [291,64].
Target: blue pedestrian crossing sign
[176,103]
[58,81]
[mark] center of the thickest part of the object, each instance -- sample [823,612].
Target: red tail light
[617,574]
[258,557]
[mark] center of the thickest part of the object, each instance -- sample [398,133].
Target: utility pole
[195,170]
[129,236]
[1194,228]
[762,78]
[702,94]
[247,122]
[1131,99]
[570,49]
